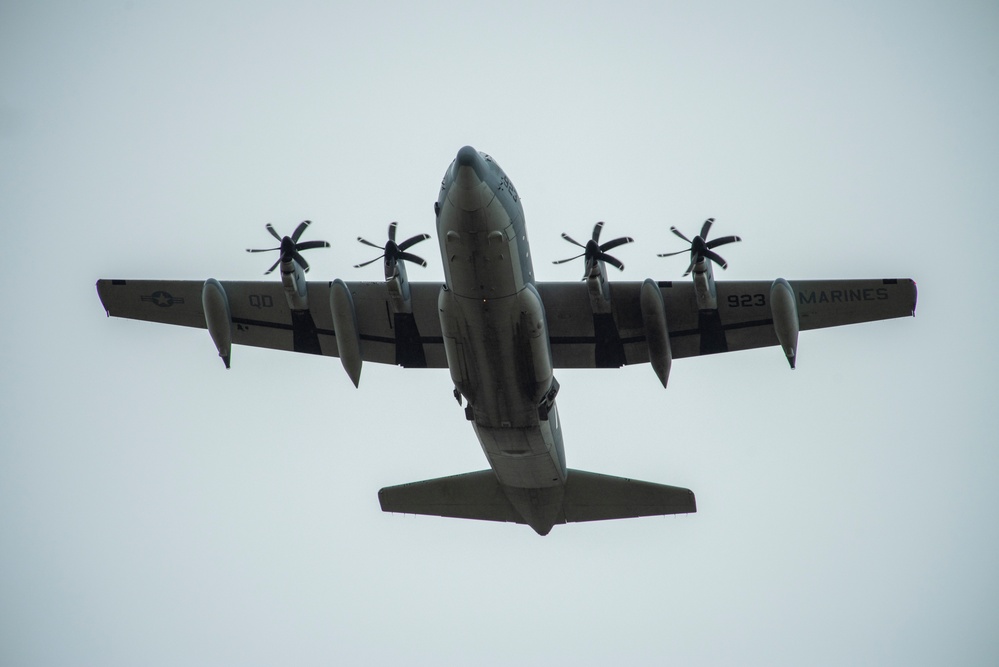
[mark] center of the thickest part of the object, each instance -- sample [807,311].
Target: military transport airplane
[502,335]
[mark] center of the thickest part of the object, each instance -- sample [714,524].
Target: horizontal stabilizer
[588,497]
[593,497]
[474,495]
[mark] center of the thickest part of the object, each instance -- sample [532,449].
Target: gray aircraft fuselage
[496,335]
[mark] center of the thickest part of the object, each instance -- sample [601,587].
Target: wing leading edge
[580,338]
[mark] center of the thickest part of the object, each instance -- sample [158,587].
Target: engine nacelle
[218,317]
[656,332]
[784,308]
[296,288]
[348,340]
[398,285]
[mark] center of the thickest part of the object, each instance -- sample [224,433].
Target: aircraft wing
[261,316]
[582,339]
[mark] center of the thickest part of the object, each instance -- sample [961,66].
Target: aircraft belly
[526,458]
[480,252]
[495,334]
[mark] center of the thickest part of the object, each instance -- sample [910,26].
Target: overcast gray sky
[158,510]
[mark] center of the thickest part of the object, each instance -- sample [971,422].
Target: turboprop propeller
[290,247]
[701,248]
[594,251]
[393,252]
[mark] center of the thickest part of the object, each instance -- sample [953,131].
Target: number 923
[746,300]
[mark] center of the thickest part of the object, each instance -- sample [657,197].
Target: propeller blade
[301,260]
[290,247]
[700,249]
[413,240]
[309,245]
[369,243]
[392,252]
[680,234]
[723,240]
[594,251]
[613,261]
[716,258]
[706,227]
[372,261]
[597,228]
[563,261]
[610,245]
[408,257]
[297,234]
[670,254]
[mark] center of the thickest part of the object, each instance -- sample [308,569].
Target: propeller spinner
[290,247]
[701,248]
[594,251]
[393,252]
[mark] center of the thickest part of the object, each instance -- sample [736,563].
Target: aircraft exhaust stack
[785,314]
[218,317]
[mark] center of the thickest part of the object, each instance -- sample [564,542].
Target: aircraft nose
[470,191]
[469,168]
[467,157]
